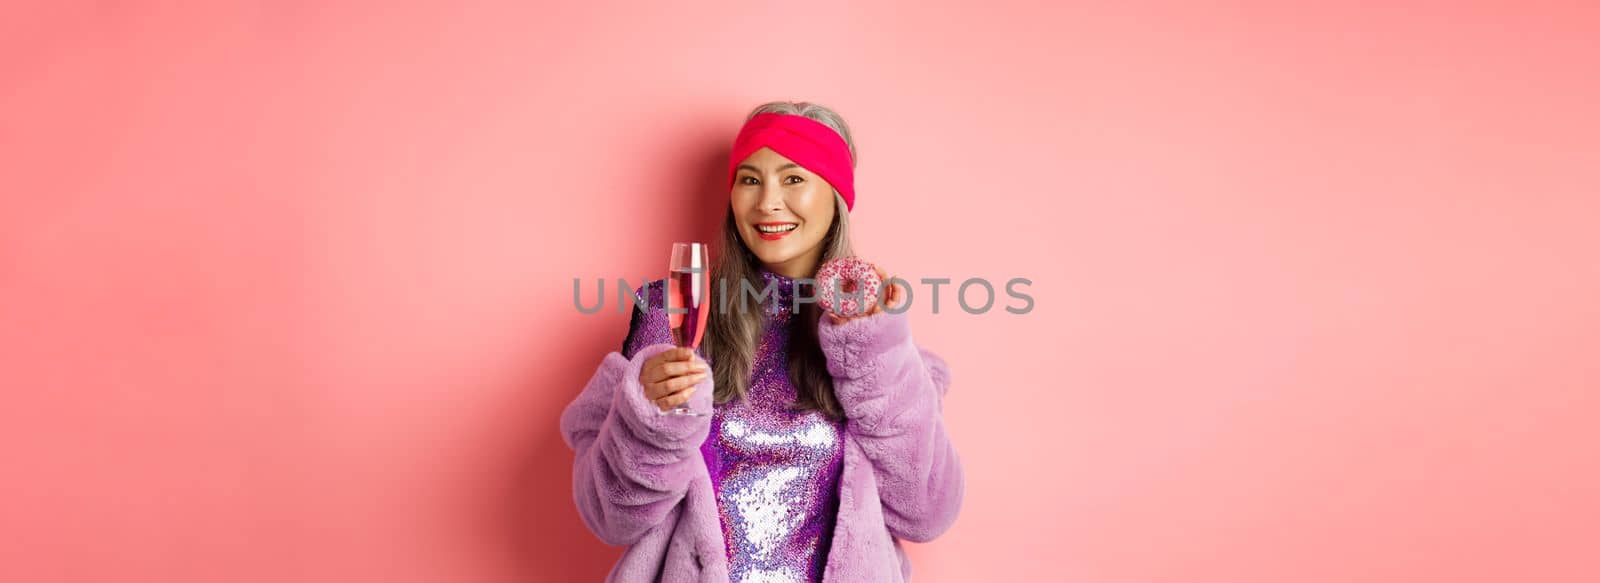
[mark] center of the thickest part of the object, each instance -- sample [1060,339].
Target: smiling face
[783,212]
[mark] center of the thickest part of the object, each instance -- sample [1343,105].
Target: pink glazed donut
[848,275]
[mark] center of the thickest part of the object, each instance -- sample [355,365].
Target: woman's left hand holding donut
[893,297]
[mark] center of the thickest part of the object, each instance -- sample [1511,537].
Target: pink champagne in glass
[688,301]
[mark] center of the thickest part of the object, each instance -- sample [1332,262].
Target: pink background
[285,288]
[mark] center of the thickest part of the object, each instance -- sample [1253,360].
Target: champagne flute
[688,302]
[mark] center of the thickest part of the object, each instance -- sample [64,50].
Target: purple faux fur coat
[639,479]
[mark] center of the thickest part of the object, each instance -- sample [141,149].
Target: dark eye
[748,180]
[796,178]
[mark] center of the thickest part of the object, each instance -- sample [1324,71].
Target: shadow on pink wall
[538,520]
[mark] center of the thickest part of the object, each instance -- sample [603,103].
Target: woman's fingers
[667,387]
[670,376]
[667,364]
[888,297]
[668,402]
[680,383]
[678,386]
[891,292]
[680,368]
[649,371]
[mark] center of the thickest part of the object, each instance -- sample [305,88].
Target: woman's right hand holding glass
[670,376]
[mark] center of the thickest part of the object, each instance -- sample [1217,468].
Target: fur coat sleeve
[632,465]
[892,392]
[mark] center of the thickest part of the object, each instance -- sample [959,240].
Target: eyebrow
[758,170]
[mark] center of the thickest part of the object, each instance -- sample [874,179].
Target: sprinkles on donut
[848,286]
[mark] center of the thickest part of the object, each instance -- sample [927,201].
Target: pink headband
[806,141]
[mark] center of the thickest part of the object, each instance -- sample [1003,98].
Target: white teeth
[776,229]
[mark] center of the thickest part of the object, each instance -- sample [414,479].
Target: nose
[771,198]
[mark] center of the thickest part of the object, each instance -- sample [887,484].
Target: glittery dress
[775,471]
